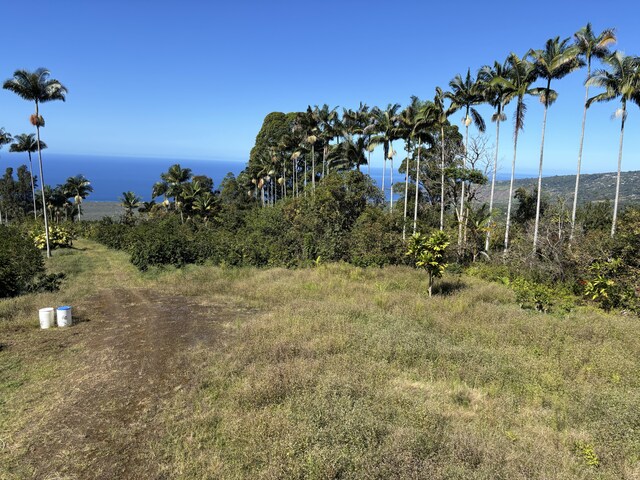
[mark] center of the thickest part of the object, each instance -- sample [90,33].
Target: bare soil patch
[134,355]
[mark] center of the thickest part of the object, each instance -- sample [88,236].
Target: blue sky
[194,79]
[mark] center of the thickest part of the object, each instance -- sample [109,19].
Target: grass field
[331,372]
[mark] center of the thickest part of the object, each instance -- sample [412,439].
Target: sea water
[110,176]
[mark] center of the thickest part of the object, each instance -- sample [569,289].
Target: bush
[59,236]
[20,262]
[375,240]
[166,242]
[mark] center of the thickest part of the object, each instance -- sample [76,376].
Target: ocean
[110,176]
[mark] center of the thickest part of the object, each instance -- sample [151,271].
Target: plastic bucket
[63,316]
[46,317]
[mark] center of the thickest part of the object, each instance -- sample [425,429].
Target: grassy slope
[344,372]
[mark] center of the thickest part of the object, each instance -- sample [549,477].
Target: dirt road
[135,353]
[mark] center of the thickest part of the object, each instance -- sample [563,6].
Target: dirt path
[135,355]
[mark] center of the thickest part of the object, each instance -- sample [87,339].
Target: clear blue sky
[194,79]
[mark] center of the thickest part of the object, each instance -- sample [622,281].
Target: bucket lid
[47,309]
[65,307]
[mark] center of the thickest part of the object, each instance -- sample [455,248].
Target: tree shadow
[448,287]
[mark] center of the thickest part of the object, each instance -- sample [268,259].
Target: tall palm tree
[326,125]
[425,120]
[623,81]
[496,96]
[406,126]
[27,143]
[79,188]
[465,94]
[517,82]
[39,88]
[441,114]
[5,138]
[386,128]
[554,62]
[589,46]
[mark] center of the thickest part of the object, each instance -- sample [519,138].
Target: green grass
[351,373]
[342,372]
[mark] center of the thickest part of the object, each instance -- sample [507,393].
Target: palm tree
[496,96]
[326,121]
[129,201]
[623,81]
[518,78]
[386,128]
[27,143]
[79,188]
[589,46]
[464,95]
[39,88]
[5,138]
[174,178]
[407,123]
[441,114]
[557,60]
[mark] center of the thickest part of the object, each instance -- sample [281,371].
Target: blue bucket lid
[66,307]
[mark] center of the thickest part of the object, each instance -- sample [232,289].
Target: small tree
[429,253]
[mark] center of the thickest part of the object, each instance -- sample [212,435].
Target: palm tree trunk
[575,193]
[493,183]
[461,217]
[391,178]
[615,202]
[415,207]
[44,202]
[406,193]
[306,175]
[384,169]
[324,158]
[513,175]
[313,168]
[33,188]
[538,200]
[441,179]
[369,162]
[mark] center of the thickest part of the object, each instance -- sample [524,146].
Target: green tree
[429,253]
[441,115]
[516,82]
[129,201]
[497,96]
[465,94]
[27,143]
[172,184]
[623,81]
[78,188]
[554,62]
[386,131]
[589,46]
[39,88]
[5,138]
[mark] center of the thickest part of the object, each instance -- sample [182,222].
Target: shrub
[166,242]
[20,262]
[59,236]
[375,240]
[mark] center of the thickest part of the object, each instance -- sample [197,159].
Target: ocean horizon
[110,176]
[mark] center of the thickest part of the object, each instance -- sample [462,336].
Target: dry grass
[351,373]
[341,372]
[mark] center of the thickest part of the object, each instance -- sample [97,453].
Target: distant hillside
[596,187]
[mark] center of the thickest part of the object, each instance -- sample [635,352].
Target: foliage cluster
[341,221]
[20,262]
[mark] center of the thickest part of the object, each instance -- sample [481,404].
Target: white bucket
[63,315]
[46,317]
